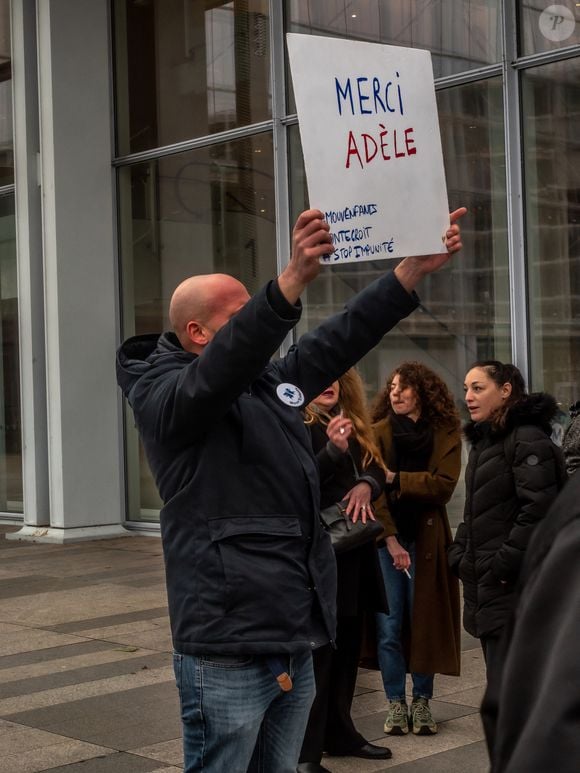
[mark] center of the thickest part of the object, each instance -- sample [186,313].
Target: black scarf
[412,449]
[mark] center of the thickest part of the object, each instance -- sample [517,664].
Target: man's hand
[411,270]
[311,240]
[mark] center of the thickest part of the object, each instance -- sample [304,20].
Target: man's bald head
[202,304]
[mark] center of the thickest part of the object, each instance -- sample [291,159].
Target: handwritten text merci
[371,96]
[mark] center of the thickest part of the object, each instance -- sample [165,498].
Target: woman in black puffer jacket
[513,474]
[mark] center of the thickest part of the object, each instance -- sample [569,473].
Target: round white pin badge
[290,395]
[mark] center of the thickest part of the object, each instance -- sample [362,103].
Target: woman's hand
[401,559]
[339,430]
[359,502]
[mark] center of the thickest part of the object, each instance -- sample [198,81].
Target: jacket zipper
[471,544]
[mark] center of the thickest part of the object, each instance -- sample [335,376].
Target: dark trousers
[494,653]
[330,727]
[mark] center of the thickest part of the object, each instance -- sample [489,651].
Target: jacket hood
[538,409]
[137,355]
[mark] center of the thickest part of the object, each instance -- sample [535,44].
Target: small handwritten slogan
[372,150]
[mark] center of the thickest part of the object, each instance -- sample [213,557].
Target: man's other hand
[412,269]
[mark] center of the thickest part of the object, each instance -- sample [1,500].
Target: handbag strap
[354,465]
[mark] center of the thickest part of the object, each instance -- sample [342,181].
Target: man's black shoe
[368,751]
[311,767]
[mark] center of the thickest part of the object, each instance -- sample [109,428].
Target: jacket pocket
[222,528]
[264,565]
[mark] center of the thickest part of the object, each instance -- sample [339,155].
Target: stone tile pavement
[86,681]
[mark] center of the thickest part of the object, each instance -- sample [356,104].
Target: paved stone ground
[86,682]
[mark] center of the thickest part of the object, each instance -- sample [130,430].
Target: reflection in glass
[10,424]
[464,313]
[460,36]
[188,69]
[548,26]
[6,133]
[210,210]
[551,106]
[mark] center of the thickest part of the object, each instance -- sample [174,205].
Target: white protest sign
[372,149]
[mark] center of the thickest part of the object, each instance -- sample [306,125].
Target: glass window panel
[10,424]
[548,26]
[186,69]
[551,106]
[464,313]
[6,135]
[467,36]
[210,210]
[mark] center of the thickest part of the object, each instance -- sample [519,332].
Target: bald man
[251,577]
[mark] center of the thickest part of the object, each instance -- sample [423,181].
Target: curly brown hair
[435,399]
[352,401]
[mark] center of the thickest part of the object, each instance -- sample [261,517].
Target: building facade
[143,141]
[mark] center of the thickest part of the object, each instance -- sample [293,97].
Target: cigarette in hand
[407,573]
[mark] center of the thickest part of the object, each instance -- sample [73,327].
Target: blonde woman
[351,470]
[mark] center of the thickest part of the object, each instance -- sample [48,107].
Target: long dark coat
[542,653]
[433,643]
[512,476]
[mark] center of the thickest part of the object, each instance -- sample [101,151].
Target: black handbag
[344,534]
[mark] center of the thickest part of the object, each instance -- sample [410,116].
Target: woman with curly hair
[418,432]
[350,469]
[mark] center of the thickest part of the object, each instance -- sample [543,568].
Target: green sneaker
[397,719]
[421,717]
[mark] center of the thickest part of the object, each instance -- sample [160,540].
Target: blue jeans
[389,629]
[236,718]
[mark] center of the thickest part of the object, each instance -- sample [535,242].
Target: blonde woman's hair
[352,402]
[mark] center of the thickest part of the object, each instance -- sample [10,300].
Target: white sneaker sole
[425,730]
[396,730]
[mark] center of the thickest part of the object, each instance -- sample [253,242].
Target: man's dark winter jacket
[512,477]
[249,568]
[531,711]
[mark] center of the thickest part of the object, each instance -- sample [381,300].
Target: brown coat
[433,643]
